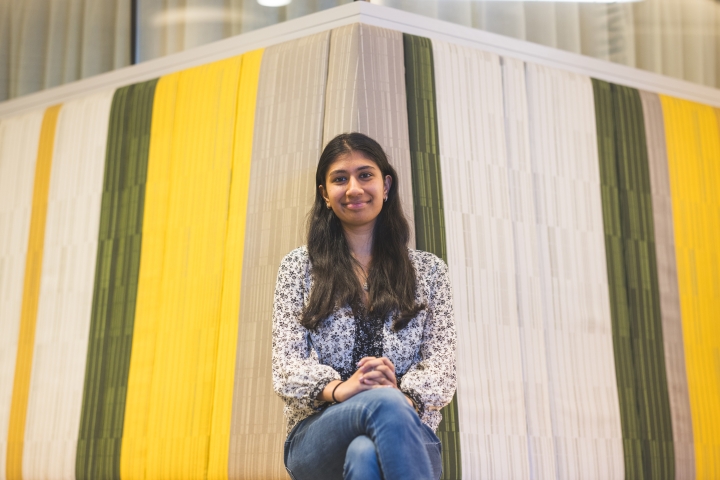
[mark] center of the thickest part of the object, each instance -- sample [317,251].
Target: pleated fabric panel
[171,385]
[479,233]
[693,150]
[234,261]
[19,141]
[116,277]
[534,353]
[286,146]
[578,332]
[430,234]
[673,345]
[366,93]
[66,288]
[20,378]
[632,277]
[136,431]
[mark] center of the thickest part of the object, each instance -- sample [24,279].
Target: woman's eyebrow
[364,167]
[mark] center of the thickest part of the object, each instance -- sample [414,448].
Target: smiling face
[355,189]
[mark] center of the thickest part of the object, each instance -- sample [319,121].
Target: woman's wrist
[326,395]
[412,402]
[332,394]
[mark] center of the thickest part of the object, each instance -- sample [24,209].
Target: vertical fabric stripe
[576,311]
[30,296]
[19,139]
[632,277]
[286,146]
[66,288]
[428,199]
[135,441]
[693,149]
[232,276]
[366,93]
[534,353]
[668,284]
[479,234]
[116,276]
[180,326]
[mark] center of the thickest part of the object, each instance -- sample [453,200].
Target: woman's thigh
[316,448]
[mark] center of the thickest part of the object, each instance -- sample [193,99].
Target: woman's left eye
[366,175]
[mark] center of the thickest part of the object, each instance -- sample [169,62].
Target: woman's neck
[360,243]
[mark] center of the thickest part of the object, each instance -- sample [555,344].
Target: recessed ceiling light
[273,3]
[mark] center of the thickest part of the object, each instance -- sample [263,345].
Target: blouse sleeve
[431,382]
[298,376]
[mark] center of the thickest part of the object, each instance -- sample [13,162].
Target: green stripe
[428,199]
[633,281]
[116,280]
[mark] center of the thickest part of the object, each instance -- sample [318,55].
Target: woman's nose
[354,187]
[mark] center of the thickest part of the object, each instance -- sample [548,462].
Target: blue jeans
[374,435]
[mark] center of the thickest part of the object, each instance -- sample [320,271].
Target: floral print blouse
[304,361]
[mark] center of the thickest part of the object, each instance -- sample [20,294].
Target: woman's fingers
[371,363]
[365,359]
[376,378]
[382,375]
[387,362]
[388,373]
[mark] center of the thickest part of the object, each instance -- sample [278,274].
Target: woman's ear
[323,193]
[388,184]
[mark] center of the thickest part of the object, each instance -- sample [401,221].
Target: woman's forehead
[351,162]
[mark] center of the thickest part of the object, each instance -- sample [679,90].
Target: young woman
[363,330]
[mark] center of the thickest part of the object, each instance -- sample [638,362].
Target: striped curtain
[141,230]
[45,43]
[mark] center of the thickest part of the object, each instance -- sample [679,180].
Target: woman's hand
[372,373]
[379,372]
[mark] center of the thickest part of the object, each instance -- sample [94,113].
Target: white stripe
[479,234]
[581,369]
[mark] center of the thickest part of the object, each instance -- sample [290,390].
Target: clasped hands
[372,372]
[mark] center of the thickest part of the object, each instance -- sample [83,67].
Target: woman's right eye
[338,179]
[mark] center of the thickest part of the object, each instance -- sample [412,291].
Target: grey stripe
[286,147]
[366,93]
[668,283]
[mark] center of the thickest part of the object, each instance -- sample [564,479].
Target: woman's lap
[405,447]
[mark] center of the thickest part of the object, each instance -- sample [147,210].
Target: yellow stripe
[234,249]
[31,295]
[693,142]
[137,403]
[198,158]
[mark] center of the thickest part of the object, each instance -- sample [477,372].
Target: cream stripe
[19,137]
[66,288]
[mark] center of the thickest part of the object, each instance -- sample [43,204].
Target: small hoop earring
[385,200]
[328,206]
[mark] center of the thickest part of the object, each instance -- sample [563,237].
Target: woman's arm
[298,376]
[432,381]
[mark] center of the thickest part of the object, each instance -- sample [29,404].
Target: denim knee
[388,400]
[361,459]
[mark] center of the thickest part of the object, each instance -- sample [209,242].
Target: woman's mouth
[355,205]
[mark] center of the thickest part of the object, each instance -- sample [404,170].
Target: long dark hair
[391,276]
